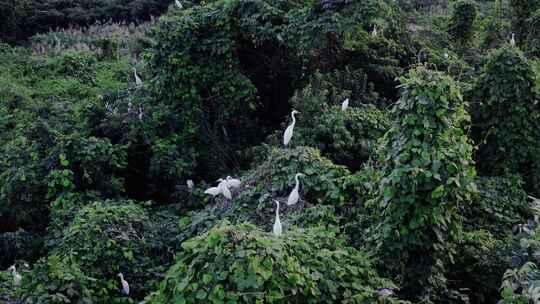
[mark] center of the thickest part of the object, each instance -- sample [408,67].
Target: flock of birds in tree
[226,184]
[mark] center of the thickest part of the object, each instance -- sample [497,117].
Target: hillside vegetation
[412,174]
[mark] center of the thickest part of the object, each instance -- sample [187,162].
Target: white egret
[190,184]
[138,80]
[294,196]
[446,56]
[513,40]
[277,223]
[287,136]
[345,105]
[385,292]
[17,278]
[374,32]
[213,191]
[224,188]
[233,182]
[178,4]
[125,284]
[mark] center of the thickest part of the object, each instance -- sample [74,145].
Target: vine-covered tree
[427,173]
[507,117]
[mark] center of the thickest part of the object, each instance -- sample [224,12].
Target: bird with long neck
[294,196]
[287,136]
[513,40]
[277,229]
[125,284]
[138,80]
[345,105]
[17,278]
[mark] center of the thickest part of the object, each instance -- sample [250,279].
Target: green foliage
[25,18]
[427,173]
[105,238]
[242,264]
[461,26]
[506,117]
[347,138]
[58,280]
[532,43]
[486,244]
[521,11]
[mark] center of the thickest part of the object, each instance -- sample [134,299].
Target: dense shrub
[105,238]
[58,280]
[532,43]
[273,179]
[487,243]
[245,265]
[427,173]
[347,138]
[461,26]
[521,11]
[506,118]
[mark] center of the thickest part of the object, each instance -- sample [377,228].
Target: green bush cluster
[506,117]
[427,172]
[461,25]
[242,264]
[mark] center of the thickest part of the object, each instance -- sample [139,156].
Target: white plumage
[345,105]
[513,40]
[138,80]
[287,136]
[190,184]
[178,4]
[233,182]
[224,188]
[277,229]
[213,191]
[294,196]
[17,278]
[125,284]
[374,32]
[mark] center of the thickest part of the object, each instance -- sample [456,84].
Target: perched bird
[178,4]
[17,278]
[290,129]
[190,184]
[385,292]
[213,191]
[374,32]
[345,105]
[277,223]
[513,40]
[224,188]
[446,56]
[294,196]
[233,182]
[125,284]
[138,80]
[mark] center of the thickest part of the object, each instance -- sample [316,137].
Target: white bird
[287,136]
[345,105]
[446,56]
[374,32]
[233,182]
[224,188]
[138,80]
[125,284]
[277,223]
[178,4]
[513,40]
[17,278]
[213,191]
[294,196]
[190,184]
